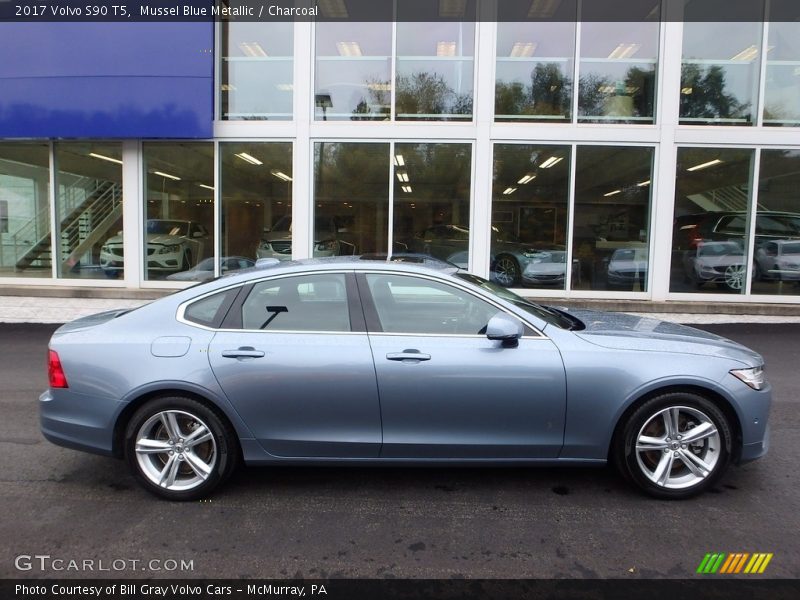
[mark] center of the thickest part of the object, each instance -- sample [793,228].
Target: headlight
[170,249]
[326,246]
[754,377]
[265,245]
[105,249]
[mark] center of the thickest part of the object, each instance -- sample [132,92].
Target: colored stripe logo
[733,563]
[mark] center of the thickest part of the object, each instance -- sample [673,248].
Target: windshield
[162,227]
[551,315]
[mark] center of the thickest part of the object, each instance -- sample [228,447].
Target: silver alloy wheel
[678,447]
[506,271]
[175,450]
[734,277]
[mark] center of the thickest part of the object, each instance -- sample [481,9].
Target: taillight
[55,371]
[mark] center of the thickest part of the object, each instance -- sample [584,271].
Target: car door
[294,360]
[446,390]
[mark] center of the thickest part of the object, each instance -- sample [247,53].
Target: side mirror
[504,327]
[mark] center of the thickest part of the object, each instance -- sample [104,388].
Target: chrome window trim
[462,287]
[180,314]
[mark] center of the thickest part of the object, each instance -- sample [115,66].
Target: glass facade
[618,72]
[534,70]
[25,239]
[89,209]
[719,73]
[179,207]
[541,155]
[257,71]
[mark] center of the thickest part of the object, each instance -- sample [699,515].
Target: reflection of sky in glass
[257,71]
[734,48]
[782,94]
[353,67]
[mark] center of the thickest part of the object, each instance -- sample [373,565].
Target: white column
[132,211]
[663,181]
[481,218]
[302,157]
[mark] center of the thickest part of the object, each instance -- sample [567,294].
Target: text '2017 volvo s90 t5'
[352,361]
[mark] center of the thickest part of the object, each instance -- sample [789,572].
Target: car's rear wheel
[675,445]
[507,271]
[180,449]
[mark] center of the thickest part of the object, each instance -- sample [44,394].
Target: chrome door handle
[409,355]
[243,352]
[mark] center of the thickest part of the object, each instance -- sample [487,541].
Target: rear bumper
[78,421]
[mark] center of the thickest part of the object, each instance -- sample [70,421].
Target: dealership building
[560,154]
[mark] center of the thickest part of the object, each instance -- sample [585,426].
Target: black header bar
[399,10]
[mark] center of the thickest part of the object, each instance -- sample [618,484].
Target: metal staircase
[728,198]
[88,208]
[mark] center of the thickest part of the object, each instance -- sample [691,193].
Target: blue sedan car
[355,361]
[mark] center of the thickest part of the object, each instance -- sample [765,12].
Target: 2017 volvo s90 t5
[349,361]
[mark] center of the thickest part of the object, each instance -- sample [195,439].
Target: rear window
[210,310]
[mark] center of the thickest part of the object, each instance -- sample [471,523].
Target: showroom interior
[580,159]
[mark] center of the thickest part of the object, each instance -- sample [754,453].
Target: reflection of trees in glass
[549,93]
[633,96]
[379,91]
[425,93]
[707,98]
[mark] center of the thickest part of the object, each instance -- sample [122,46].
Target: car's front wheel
[507,271]
[180,449]
[675,445]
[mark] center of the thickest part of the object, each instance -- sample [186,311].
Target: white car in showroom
[172,246]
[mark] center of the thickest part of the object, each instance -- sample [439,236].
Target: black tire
[220,454]
[641,467]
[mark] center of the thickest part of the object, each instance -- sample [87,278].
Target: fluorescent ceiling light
[446,49]
[523,49]
[686,91]
[247,158]
[527,179]
[643,183]
[543,9]
[509,190]
[452,8]
[227,87]
[252,49]
[167,175]
[553,160]
[103,157]
[614,193]
[333,9]
[624,51]
[399,161]
[281,175]
[402,176]
[349,49]
[705,165]
[406,189]
[285,87]
[203,185]
[746,55]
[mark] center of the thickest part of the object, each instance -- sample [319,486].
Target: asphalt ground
[387,522]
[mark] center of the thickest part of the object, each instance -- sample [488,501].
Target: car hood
[117,239]
[164,239]
[628,332]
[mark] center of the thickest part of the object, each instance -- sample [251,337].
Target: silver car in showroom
[349,361]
